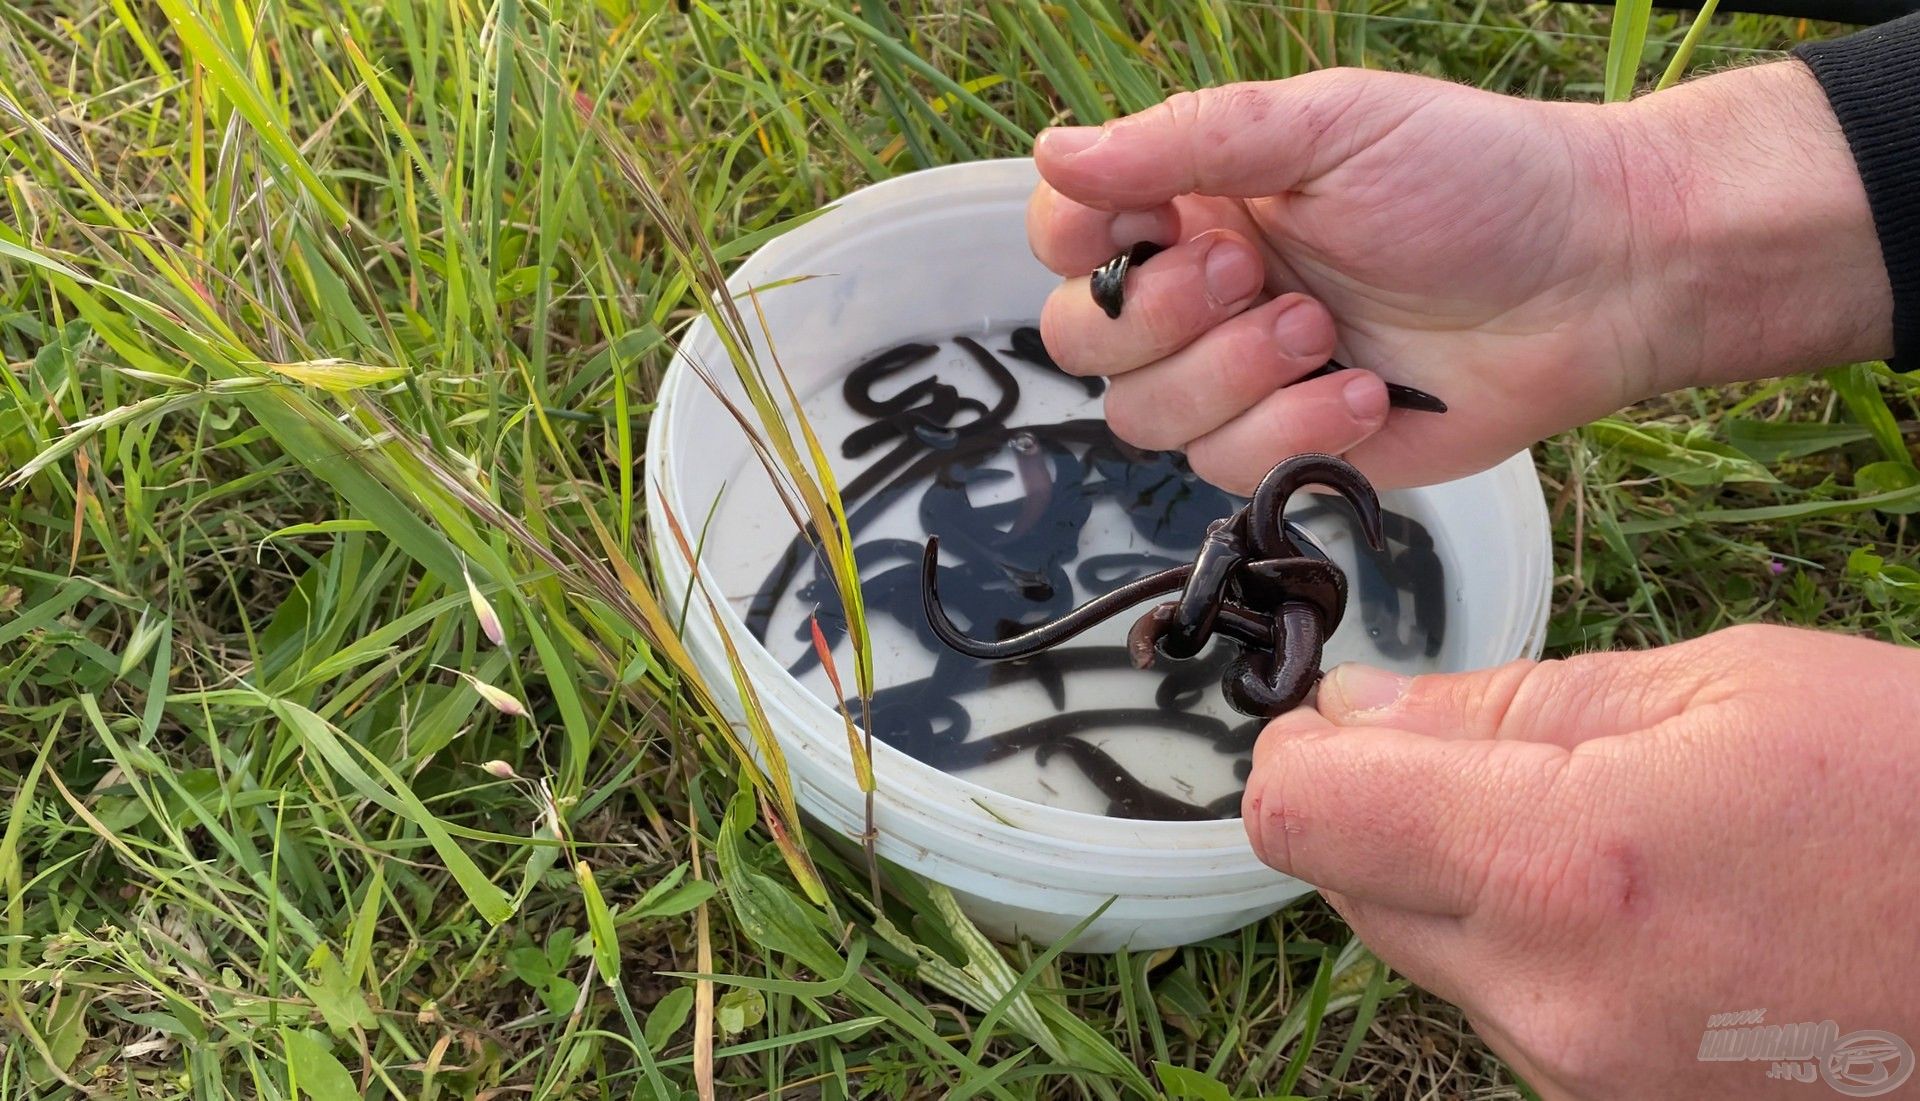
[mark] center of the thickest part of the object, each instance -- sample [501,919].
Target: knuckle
[1734,659]
[1749,636]
[1519,692]
[1220,114]
[1558,686]
[1182,111]
[1330,92]
[1247,365]
[1480,699]
[1280,428]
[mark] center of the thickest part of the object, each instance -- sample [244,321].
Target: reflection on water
[1039,507]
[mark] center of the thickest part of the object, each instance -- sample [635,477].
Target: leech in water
[1108,285]
[1026,344]
[1127,796]
[1251,581]
[938,436]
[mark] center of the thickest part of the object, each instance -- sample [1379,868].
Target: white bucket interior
[929,255]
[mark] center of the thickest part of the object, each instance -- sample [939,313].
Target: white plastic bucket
[942,251]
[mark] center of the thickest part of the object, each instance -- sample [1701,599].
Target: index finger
[1072,238]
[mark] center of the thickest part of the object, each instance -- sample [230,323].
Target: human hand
[1593,856]
[1536,265]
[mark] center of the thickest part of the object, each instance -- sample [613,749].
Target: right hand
[1592,857]
[1536,265]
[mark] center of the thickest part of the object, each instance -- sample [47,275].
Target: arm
[1762,247]
[1872,80]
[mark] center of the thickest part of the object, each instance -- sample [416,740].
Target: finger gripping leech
[1257,581]
[1108,285]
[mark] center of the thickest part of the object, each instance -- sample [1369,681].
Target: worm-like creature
[938,437]
[1108,285]
[1251,581]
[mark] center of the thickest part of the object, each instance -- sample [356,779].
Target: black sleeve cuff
[1873,81]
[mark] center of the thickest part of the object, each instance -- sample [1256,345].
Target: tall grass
[348,745]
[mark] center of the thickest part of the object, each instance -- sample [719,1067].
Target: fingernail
[1366,398]
[1232,272]
[1297,331]
[1141,225]
[1067,141]
[1355,690]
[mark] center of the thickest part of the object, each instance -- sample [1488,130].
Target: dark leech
[857,387]
[916,735]
[1108,283]
[921,720]
[1267,527]
[1228,805]
[1251,582]
[1274,682]
[1398,396]
[1011,570]
[925,402]
[1002,379]
[1106,571]
[760,611]
[1035,478]
[1307,580]
[1184,682]
[1164,500]
[1241,740]
[1401,587]
[1222,554]
[1028,347]
[1091,614]
[1128,797]
[1029,543]
[1416,569]
[932,405]
[882,591]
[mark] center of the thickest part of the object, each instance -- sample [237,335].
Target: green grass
[310,313]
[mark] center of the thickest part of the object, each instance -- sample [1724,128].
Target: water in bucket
[977,438]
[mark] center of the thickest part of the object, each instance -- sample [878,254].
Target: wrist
[1754,245]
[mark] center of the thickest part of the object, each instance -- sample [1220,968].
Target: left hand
[1593,856]
[1536,265]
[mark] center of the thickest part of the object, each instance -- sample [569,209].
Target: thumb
[1435,792]
[1564,702]
[1236,141]
[1414,823]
